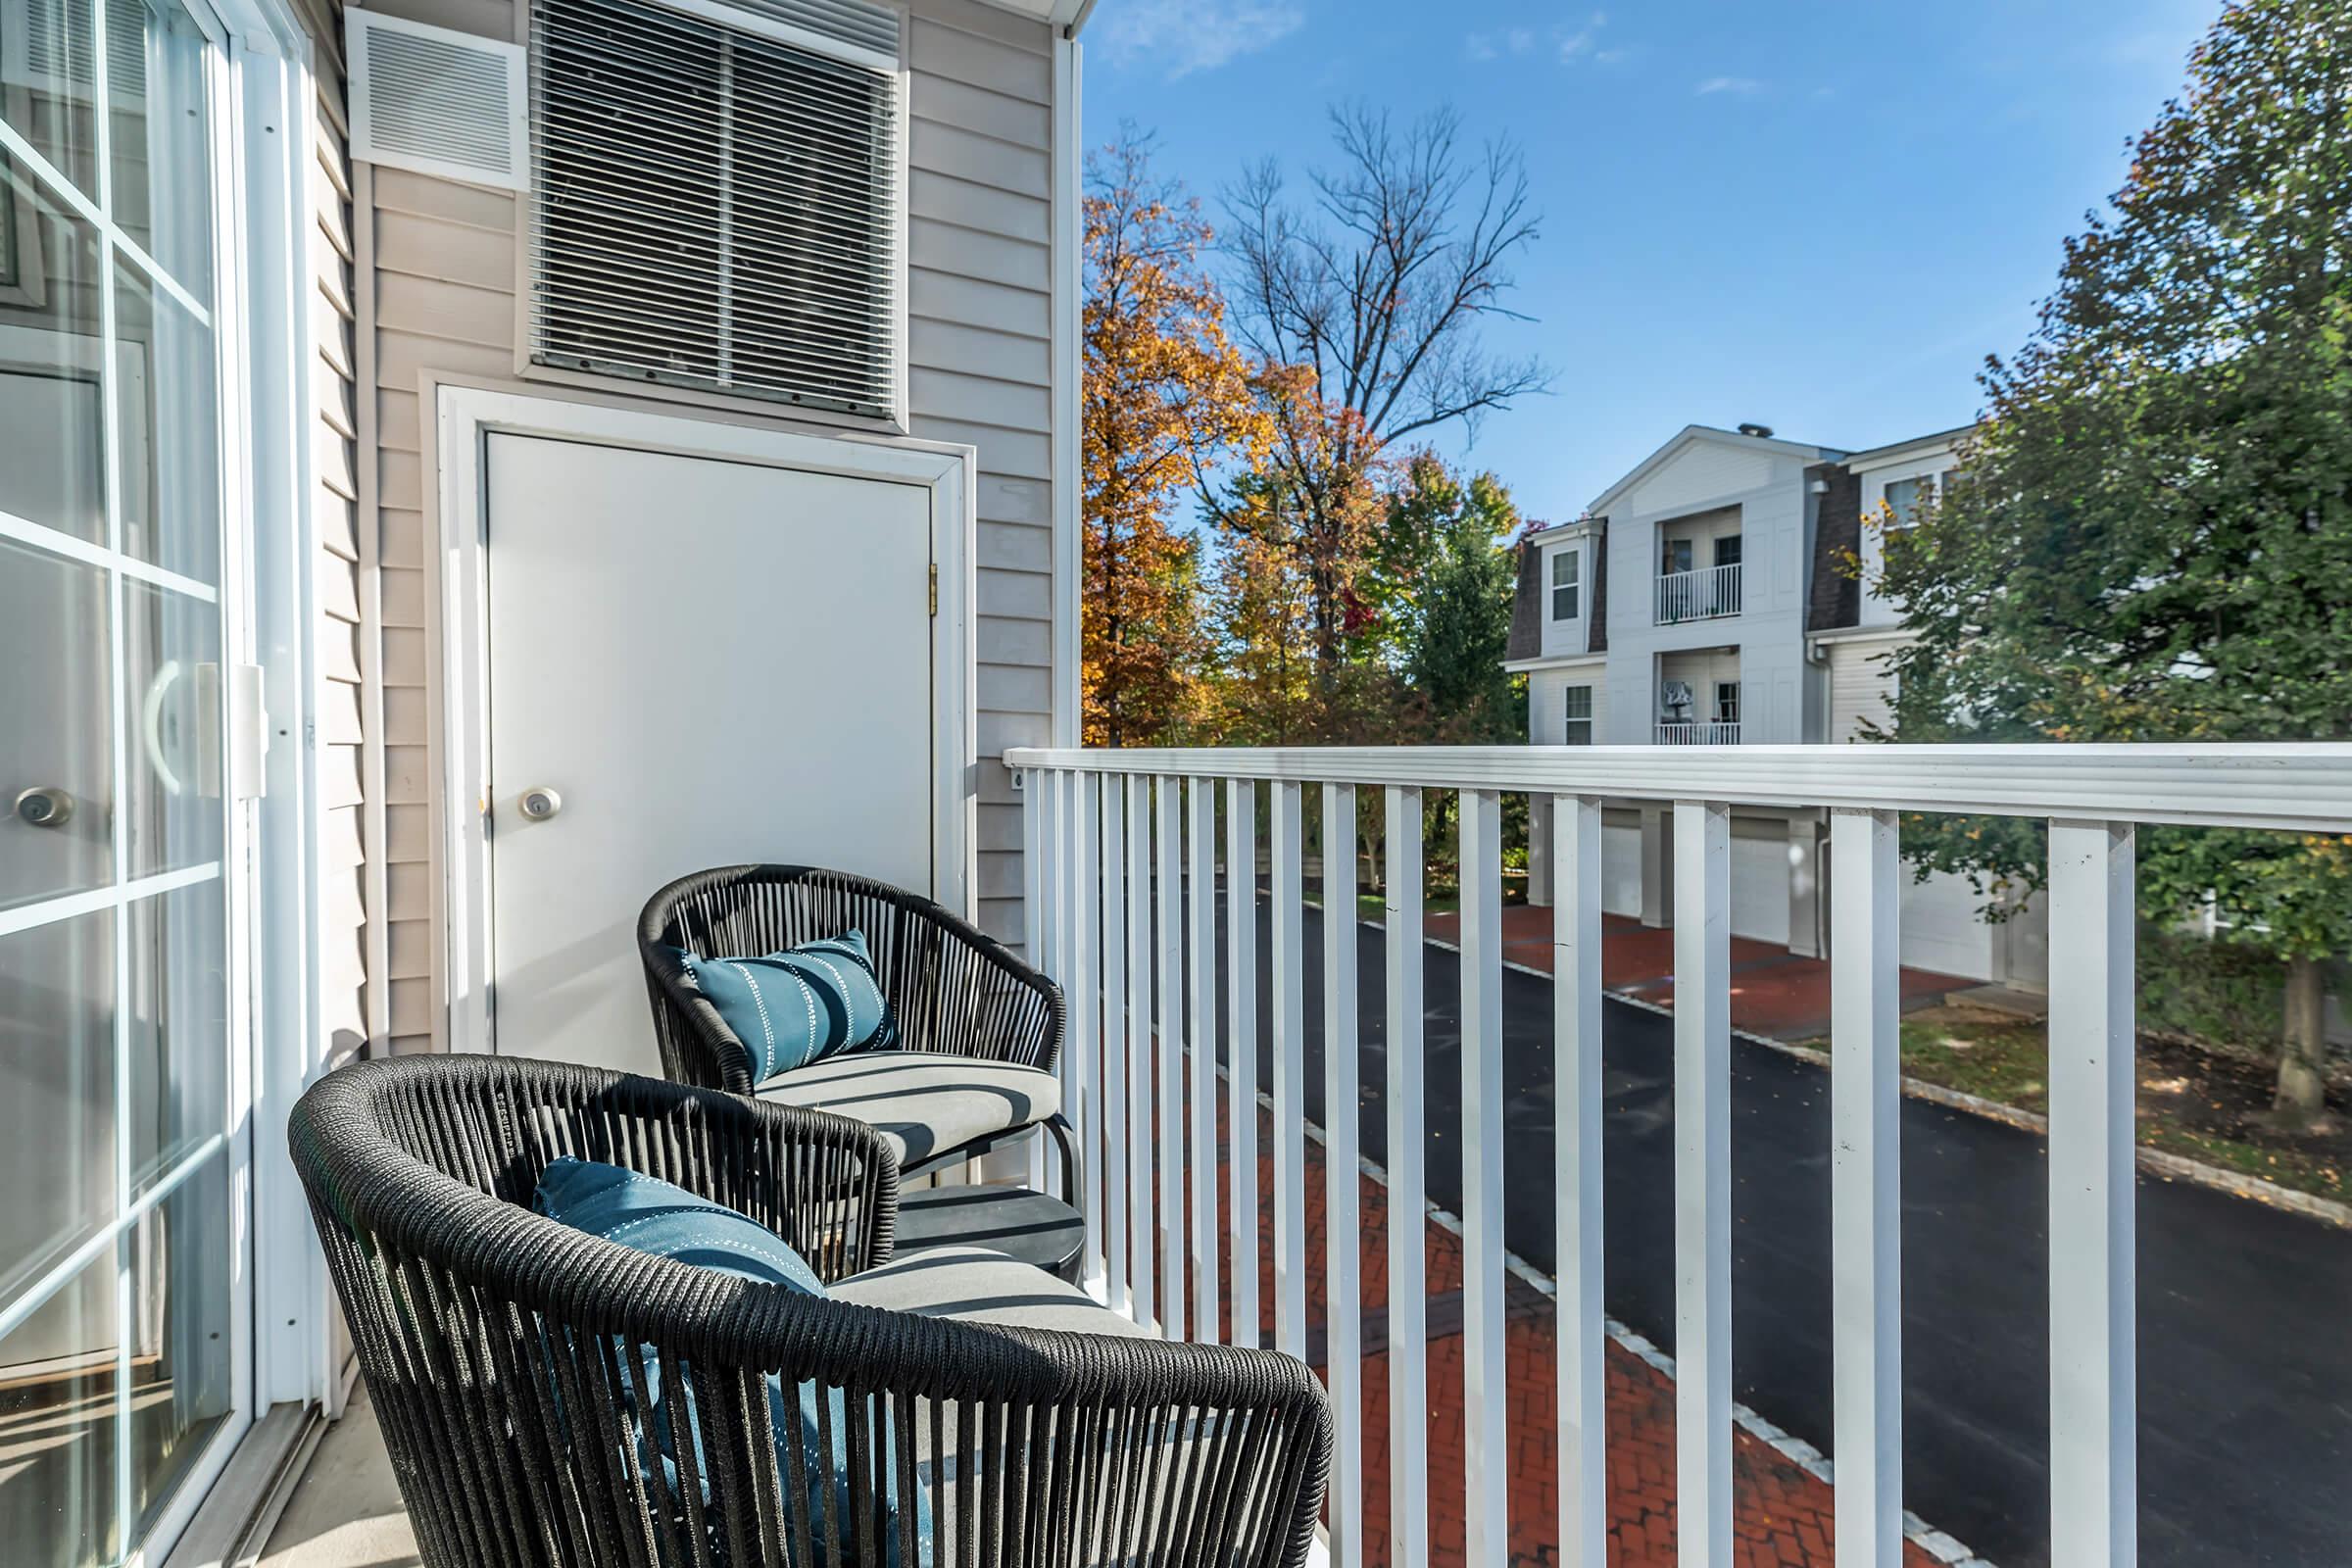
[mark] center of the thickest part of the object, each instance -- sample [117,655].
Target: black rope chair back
[948,986]
[551,1399]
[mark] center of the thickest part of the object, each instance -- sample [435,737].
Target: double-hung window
[1567,568]
[1577,728]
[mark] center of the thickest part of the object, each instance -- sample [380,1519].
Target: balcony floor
[346,1510]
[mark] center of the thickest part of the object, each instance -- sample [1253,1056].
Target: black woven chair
[978,1030]
[508,1355]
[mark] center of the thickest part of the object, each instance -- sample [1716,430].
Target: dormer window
[1566,578]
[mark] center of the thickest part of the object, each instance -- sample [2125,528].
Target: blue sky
[1818,216]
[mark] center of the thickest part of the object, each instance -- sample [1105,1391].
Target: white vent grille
[436,101]
[718,200]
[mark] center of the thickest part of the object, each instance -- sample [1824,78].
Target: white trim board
[465,416]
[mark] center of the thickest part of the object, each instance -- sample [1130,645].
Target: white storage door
[709,663]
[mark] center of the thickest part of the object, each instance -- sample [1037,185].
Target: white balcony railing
[1716,732]
[1111,834]
[1701,595]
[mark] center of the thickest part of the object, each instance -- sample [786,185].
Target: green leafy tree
[2154,538]
[1443,590]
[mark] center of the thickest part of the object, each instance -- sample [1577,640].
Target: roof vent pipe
[1762,432]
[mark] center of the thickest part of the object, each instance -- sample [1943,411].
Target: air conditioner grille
[437,101]
[716,207]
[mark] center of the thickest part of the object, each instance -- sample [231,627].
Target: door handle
[44,806]
[539,805]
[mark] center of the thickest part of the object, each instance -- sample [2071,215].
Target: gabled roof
[1689,435]
[1894,451]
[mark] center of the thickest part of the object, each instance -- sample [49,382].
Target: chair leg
[1066,1136]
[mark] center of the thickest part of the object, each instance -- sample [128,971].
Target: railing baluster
[1241,1065]
[1037,916]
[1576,1069]
[1408,1258]
[1343,1364]
[1113,1120]
[1866,1186]
[2094,1477]
[1485,1396]
[1702,1183]
[1289,1072]
[1082,934]
[1139,1050]
[1203,1036]
[1169,935]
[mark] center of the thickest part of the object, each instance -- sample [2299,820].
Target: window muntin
[1567,570]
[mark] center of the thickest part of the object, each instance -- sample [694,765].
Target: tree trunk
[2302,1054]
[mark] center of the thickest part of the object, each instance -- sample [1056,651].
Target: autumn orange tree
[1167,399]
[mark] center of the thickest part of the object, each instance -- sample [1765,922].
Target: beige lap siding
[347,940]
[441,261]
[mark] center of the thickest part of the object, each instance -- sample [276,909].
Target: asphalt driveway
[2245,1396]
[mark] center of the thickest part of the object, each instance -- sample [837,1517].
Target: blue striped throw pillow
[792,1007]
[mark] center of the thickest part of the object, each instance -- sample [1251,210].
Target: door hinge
[935,588]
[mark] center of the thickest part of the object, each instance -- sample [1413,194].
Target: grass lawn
[2191,1104]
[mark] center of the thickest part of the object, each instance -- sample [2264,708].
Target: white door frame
[464,418]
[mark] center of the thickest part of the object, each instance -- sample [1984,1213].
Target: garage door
[1760,888]
[1941,930]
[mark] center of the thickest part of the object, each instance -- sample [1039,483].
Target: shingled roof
[1834,597]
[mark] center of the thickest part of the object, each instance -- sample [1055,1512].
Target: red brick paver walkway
[1774,992]
[1782,1513]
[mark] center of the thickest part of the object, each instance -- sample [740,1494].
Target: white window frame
[263,97]
[1568,556]
[1571,719]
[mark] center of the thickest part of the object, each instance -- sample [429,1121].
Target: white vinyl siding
[1861,687]
[443,261]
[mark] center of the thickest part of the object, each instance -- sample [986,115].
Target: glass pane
[178,1027]
[57,1094]
[171,462]
[49,96]
[56,762]
[179,1348]
[171,706]
[162,147]
[57,1427]
[52,394]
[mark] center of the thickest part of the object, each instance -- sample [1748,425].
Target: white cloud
[1183,37]
[1480,46]
[1576,42]
[1742,86]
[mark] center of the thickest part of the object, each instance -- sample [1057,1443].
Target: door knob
[44,806]
[539,805]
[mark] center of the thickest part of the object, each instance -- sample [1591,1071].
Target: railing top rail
[2300,787]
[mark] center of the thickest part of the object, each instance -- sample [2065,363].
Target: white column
[2095,1471]
[1344,1362]
[1145,1306]
[1866,1186]
[1290,1073]
[1408,1258]
[1486,1393]
[1702,1183]
[1576,1075]
[1241,1066]
[1114,1121]
[1201,943]
[1168,934]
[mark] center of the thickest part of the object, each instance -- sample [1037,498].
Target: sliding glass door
[121,1238]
